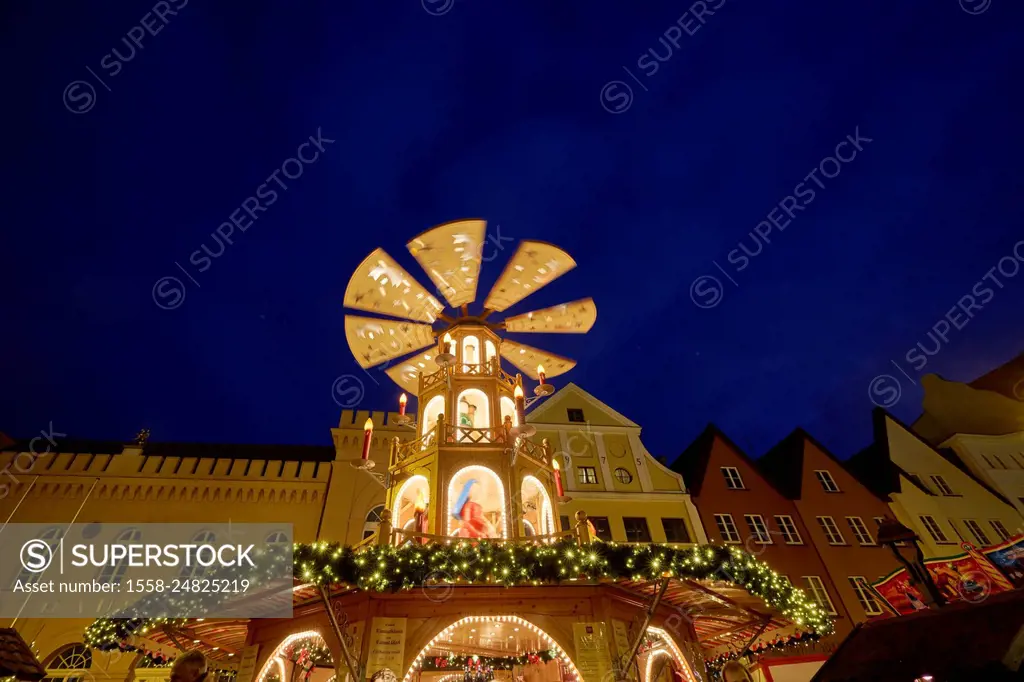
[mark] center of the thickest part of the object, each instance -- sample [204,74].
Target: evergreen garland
[385,568]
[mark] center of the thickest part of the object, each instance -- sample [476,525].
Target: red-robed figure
[471,514]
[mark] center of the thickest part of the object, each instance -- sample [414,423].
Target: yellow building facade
[316,490]
[929,493]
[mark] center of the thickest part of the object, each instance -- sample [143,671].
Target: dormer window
[575,415]
[828,483]
[733,481]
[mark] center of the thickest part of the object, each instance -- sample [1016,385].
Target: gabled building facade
[841,516]
[982,425]
[929,493]
[627,493]
[740,506]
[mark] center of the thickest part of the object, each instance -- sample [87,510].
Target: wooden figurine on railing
[506,427]
[384,530]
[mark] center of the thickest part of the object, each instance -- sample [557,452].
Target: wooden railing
[486,369]
[400,536]
[445,434]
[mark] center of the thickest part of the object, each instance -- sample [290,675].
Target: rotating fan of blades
[451,256]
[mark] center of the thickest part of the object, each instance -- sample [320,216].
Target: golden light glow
[368,426]
[421,501]
[403,399]
[540,369]
[554,463]
[518,393]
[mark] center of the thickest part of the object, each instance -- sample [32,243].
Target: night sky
[509,112]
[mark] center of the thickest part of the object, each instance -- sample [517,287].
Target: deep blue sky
[494,110]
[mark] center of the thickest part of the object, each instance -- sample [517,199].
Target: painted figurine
[471,514]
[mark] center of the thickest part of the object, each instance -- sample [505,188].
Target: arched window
[476,504]
[203,537]
[51,536]
[372,521]
[414,492]
[112,573]
[431,410]
[508,409]
[474,411]
[278,537]
[70,664]
[489,351]
[470,354]
[536,507]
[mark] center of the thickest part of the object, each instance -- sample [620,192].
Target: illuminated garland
[759,649]
[384,568]
[441,663]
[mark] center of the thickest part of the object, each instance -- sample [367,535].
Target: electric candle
[520,401]
[540,374]
[402,400]
[367,437]
[449,344]
[558,477]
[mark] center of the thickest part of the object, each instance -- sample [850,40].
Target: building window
[575,415]
[790,534]
[831,530]
[52,537]
[860,530]
[70,665]
[587,474]
[758,528]
[819,594]
[727,527]
[113,573]
[623,476]
[203,537]
[564,522]
[932,526]
[865,596]
[636,529]
[732,478]
[372,522]
[601,527]
[1000,529]
[942,486]
[676,530]
[917,479]
[977,532]
[828,483]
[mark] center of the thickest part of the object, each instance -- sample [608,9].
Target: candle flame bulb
[367,438]
[402,400]
[540,374]
[368,426]
[518,393]
[554,463]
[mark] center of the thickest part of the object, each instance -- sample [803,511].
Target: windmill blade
[533,266]
[380,285]
[374,341]
[450,255]
[574,317]
[526,358]
[406,373]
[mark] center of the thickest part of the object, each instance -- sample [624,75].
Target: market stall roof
[962,641]
[725,616]
[17,659]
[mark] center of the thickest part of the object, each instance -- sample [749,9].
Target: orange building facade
[841,516]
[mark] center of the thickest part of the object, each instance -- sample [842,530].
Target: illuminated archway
[489,351]
[508,409]
[473,409]
[489,493]
[431,410]
[670,649]
[552,644]
[536,506]
[275,659]
[470,353]
[413,489]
